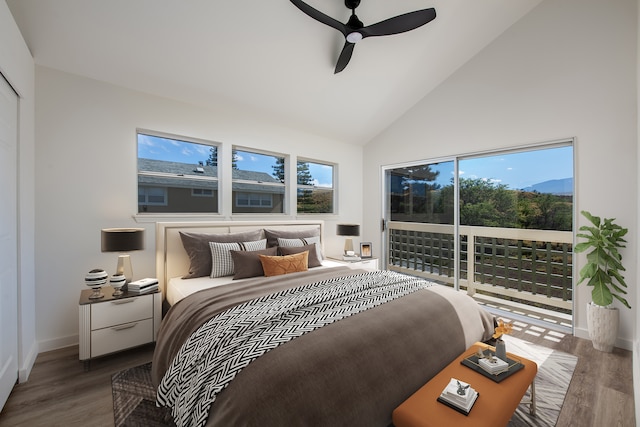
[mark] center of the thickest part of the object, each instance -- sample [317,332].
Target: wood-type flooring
[61,393]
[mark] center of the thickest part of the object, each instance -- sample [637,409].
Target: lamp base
[348,246]
[124,267]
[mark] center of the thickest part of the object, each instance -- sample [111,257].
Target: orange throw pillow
[277,265]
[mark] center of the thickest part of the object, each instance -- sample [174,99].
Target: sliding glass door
[498,225]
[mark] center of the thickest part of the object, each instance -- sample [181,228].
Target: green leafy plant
[604,262]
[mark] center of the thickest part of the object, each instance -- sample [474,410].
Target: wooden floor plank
[60,392]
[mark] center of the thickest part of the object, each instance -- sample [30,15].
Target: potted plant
[603,273]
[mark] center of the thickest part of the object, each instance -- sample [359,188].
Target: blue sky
[156,148]
[515,170]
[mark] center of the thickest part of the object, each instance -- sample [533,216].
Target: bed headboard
[172,259]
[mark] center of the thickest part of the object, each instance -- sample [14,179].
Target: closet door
[8,240]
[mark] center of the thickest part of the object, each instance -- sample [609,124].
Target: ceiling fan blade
[345,57]
[399,24]
[321,17]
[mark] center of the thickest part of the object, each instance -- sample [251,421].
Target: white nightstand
[113,324]
[365,263]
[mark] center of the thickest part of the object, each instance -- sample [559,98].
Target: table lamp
[123,240]
[348,230]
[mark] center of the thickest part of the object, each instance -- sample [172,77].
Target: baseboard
[622,343]
[58,343]
[636,377]
[27,363]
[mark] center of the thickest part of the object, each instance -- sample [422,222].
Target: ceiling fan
[354,30]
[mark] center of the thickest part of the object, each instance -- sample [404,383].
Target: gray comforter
[351,372]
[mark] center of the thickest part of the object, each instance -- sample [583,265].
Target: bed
[321,346]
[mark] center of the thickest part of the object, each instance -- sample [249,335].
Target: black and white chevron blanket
[223,346]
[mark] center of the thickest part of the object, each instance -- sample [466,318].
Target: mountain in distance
[559,187]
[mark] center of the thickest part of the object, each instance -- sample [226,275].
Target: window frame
[165,195]
[284,183]
[333,188]
[194,175]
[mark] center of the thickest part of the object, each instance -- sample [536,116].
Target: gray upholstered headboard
[172,259]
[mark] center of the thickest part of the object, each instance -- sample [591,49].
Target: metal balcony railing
[530,266]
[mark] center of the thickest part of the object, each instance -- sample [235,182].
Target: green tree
[213,157]
[234,159]
[486,203]
[278,169]
[306,200]
[304,174]
[415,194]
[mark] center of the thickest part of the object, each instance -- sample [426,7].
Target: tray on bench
[472,362]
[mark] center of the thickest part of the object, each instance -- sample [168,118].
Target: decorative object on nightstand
[123,240]
[96,279]
[348,230]
[143,286]
[365,250]
[117,281]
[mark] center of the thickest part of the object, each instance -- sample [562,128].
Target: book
[142,283]
[351,258]
[459,396]
[145,290]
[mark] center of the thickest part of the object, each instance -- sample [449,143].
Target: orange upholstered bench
[495,405]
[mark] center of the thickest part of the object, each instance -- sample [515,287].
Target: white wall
[86,180]
[16,65]
[567,69]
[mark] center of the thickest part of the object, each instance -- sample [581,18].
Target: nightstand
[113,324]
[365,263]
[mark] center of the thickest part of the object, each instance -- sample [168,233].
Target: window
[201,192]
[315,187]
[156,196]
[254,200]
[258,182]
[176,175]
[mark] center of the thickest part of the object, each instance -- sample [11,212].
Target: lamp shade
[348,230]
[122,239]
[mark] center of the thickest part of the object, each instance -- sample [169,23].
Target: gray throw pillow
[313,260]
[273,235]
[303,241]
[197,247]
[247,263]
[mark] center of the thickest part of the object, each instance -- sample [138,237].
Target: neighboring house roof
[163,173]
[175,168]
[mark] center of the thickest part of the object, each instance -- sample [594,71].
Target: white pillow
[221,260]
[303,241]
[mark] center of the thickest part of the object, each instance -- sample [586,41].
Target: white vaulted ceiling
[265,56]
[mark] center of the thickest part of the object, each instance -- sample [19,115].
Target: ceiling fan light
[354,37]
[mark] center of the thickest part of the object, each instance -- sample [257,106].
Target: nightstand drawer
[117,312]
[367,264]
[121,337]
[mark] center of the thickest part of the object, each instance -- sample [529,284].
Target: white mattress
[179,288]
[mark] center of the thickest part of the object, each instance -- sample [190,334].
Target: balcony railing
[530,266]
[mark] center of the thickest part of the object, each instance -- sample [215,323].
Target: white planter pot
[602,323]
